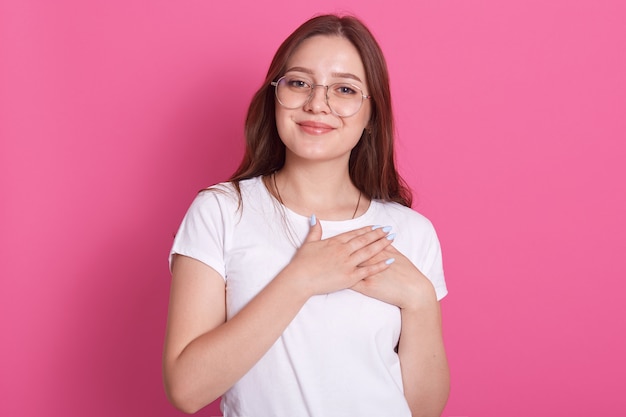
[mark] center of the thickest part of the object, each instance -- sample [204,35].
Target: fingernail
[387,229]
[376,227]
[391,236]
[313,220]
[390,261]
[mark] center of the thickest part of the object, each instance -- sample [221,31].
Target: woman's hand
[402,284]
[339,262]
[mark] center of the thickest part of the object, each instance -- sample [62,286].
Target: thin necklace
[358,202]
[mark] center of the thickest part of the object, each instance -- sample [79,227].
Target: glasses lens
[292,92]
[344,99]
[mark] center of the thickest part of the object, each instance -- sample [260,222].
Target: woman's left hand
[402,284]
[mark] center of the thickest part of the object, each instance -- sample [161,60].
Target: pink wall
[512,133]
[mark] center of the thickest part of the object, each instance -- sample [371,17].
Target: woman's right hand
[204,355]
[336,263]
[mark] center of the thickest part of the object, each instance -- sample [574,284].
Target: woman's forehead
[333,56]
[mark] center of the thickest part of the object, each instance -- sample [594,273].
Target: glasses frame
[313,86]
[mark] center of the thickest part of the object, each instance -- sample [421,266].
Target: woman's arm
[425,374]
[204,355]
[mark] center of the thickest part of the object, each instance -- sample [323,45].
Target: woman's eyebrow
[334,74]
[300,69]
[346,75]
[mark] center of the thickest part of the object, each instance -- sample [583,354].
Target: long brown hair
[372,165]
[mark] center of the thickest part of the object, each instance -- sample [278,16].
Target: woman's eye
[295,83]
[345,90]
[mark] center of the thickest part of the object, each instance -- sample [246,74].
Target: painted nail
[391,236]
[376,227]
[387,229]
[390,261]
[313,220]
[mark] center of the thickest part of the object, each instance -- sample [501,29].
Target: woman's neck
[328,193]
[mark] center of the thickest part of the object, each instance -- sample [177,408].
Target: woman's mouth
[315,128]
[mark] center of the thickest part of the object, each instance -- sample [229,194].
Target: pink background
[511,132]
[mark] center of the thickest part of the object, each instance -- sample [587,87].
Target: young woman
[306,285]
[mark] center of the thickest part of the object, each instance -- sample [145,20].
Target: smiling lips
[315,128]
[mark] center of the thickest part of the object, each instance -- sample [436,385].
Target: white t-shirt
[336,358]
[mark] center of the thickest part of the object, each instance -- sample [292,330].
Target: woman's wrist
[422,297]
[296,285]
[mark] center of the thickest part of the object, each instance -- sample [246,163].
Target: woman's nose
[318,102]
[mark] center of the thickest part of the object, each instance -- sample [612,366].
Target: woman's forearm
[425,373]
[210,364]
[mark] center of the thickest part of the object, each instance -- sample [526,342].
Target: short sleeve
[201,234]
[433,264]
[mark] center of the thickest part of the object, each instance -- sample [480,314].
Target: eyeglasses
[343,99]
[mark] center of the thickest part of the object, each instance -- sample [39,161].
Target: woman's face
[312,132]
